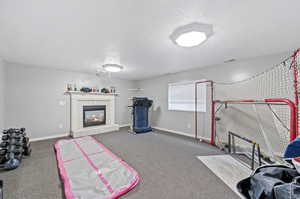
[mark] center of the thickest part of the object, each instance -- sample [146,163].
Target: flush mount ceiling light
[112,68]
[192,34]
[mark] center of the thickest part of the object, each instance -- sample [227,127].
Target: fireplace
[94,115]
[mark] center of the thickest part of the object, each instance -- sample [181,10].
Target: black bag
[271,182]
[1,189]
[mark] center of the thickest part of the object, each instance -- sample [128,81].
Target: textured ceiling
[81,35]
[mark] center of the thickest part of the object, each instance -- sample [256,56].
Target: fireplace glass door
[94,115]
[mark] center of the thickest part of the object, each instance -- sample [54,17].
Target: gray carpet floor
[167,165]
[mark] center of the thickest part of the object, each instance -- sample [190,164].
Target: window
[181,96]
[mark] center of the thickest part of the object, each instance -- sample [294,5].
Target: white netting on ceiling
[276,82]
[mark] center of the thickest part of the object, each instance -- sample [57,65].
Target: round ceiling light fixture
[112,68]
[192,34]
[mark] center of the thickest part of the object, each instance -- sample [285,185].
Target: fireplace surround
[98,108]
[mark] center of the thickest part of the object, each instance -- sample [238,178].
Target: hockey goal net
[263,108]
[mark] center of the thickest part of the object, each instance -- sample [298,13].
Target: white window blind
[181,96]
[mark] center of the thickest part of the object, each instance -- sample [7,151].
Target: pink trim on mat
[118,193]
[100,175]
[133,183]
[63,173]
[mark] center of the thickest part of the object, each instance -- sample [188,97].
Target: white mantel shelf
[89,93]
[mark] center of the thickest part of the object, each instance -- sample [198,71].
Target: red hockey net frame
[293,104]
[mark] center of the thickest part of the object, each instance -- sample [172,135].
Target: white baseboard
[181,133]
[173,131]
[62,135]
[124,125]
[48,137]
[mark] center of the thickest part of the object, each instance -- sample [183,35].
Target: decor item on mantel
[91,113]
[86,90]
[113,89]
[75,87]
[104,90]
[69,87]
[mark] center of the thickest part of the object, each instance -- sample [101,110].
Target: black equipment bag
[1,189]
[271,182]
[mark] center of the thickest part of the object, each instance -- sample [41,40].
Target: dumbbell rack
[14,145]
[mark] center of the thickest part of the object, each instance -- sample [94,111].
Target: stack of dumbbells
[15,144]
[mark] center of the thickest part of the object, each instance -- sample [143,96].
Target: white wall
[33,98]
[157,89]
[2,92]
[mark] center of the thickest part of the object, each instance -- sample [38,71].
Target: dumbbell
[11,131]
[4,144]
[3,152]
[5,137]
[7,132]
[18,138]
[26,146]
[27,150]
[19,141]
[16,142]
[19,132]
[12,147]
[14,132]
[14,152]
[26,140]
[3,155]
[12,141]
[15,135]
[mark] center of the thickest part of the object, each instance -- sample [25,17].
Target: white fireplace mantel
[80,99]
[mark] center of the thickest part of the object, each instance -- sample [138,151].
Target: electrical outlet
[62,103]
[60,126]
[189,125]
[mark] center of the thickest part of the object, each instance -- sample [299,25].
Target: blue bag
[293,149]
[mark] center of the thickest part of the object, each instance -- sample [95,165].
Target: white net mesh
[274,83]
[266,124]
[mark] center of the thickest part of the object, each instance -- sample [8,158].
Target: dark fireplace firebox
[94,115]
